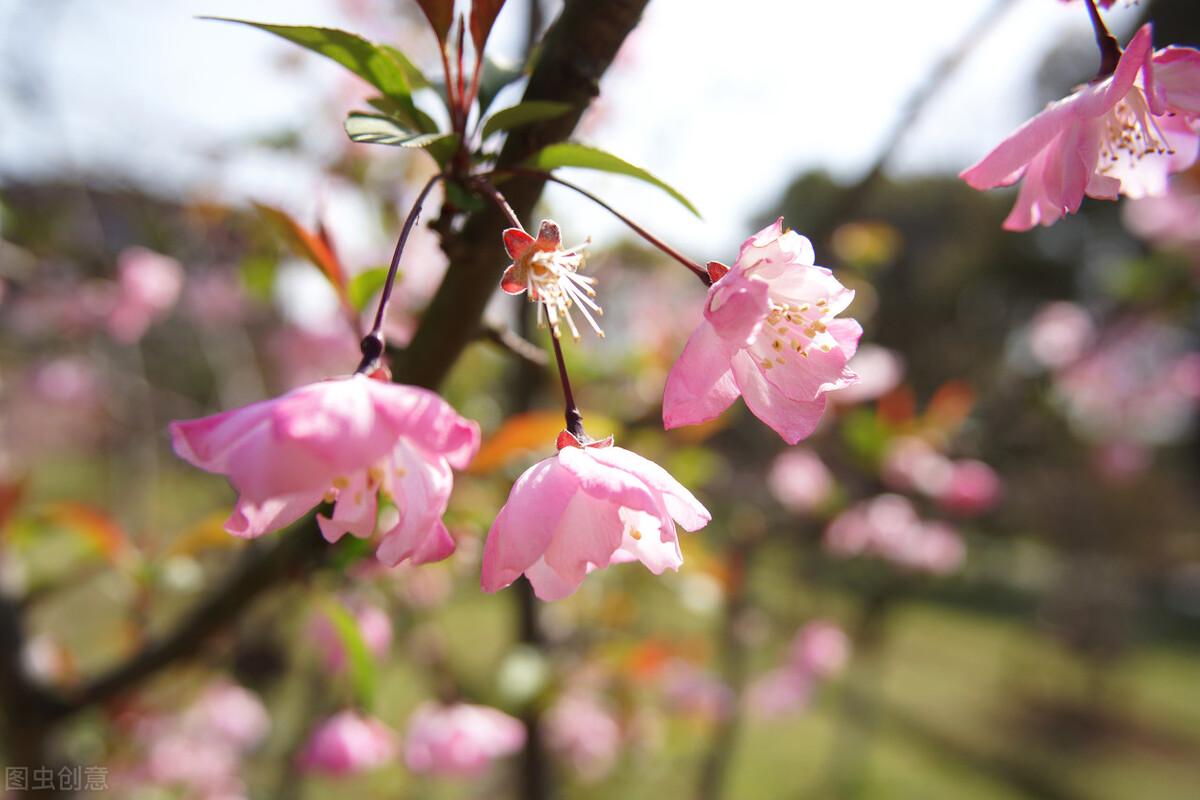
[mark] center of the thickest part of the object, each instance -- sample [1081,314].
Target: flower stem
[699,271]
[571,410]
[372,345]
[1110,51]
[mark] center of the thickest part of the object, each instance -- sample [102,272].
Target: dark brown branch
[514,343]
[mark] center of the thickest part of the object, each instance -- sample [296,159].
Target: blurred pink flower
[347,743]
[148,284]
[1138,384]
[585,508]
[1059,333]
[344,439]
[769,334]
[779,692]
[912,464]
[230,713]
[820,649]
[460,740]
[1170,220]
[1122,135]
[303,355]
[374,626]
[879,370]
[887,527]
[800,481]
[214,298]
[584,733]
[690,689]
[973,488]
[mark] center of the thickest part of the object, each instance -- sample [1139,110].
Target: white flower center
[554,281]
[794,328]
[1130,130]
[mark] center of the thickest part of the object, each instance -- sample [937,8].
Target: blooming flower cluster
[888,527]
[459,739]
[1121,135]
[771,335]
[966,487]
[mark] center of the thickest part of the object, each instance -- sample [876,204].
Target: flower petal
[700,385]
[792,419]
[525,525]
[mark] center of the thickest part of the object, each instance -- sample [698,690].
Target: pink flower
[345,440]
[347,743]
[879,370]
[585,733]
[690,689]
[973,488]
[551,276]
[460,740]
[230,713]
[148,284]
[912,463]
[374,626]
[1121,135]
[1059,333]
[585,508]
[820,649]
[800,480]
[887,527]
[770,335]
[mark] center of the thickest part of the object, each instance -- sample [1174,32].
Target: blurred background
[980,578]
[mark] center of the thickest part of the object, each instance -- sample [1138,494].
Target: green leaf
[365,285]
[375,64]
[522,114]
[258,276]
[416,78]
[568,154]
[358,656]
[495,76]
[373,129]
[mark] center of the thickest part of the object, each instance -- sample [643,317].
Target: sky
[727,101]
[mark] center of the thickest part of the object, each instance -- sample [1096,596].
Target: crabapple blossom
[769,334]
[148,284]
[344,440]
[589,506]
[347,743]
[551,276]
[585,733]
[973,488]
[800,481]
[459,740]
[887,527]
[820,649]
[1121,135]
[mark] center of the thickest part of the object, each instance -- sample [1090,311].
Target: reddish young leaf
[483,16]
[440,14]
[317,247]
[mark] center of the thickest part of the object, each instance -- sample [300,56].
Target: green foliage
[362,669]
[365,285]
[377,129]
[569,154]
[523,114]
[495,76]
[375,64]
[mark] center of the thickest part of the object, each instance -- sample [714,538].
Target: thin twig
[514,343]
[1110,50]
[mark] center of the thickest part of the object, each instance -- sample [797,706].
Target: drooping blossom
[551,276]
[973,488]
[770,334]
[459,740]
[345,440]
[887,527]
[587,507]
[148,285]
[820,649]
[1121,135]
[582,731]
[348,743]
[374,626]
[800,480]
